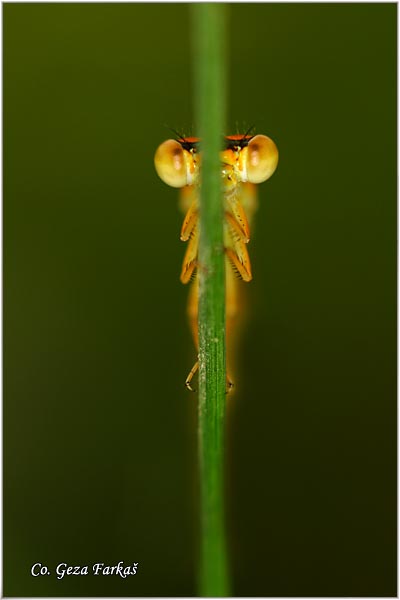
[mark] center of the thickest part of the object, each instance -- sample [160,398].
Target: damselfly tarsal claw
[188,383]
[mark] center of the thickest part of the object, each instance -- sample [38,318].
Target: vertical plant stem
[209,69]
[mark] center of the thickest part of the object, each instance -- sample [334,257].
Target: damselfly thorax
[246,160]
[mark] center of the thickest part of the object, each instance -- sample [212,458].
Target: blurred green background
[99,433]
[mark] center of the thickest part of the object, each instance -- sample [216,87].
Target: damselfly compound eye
[261,159]
[171,164]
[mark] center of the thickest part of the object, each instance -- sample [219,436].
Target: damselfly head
[246,158]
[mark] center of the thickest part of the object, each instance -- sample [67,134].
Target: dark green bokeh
[99,434]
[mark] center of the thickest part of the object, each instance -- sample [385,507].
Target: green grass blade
[210,90]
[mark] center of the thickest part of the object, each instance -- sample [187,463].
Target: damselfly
[246,160]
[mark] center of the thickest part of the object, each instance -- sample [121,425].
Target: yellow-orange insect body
[246,160]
